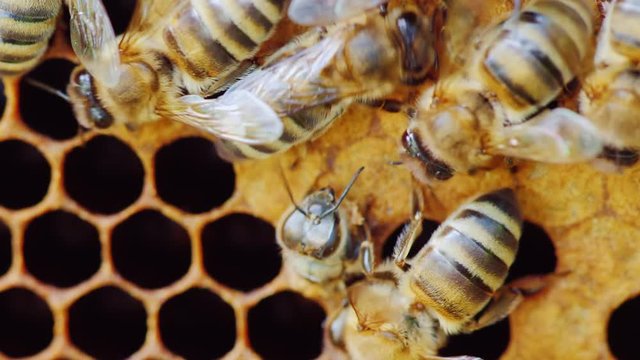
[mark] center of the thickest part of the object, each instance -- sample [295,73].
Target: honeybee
[323,242]
[173,51]
[309,83]
[496,103]
[25,31]
[610,96]
[406,308]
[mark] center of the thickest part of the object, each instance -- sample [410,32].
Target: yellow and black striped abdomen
[468,257]
[209,38]
[25,29]
[625,28]
[540,51]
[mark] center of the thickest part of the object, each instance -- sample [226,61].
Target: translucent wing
[299,81]
[237,116]
[556,136]
[94,40]
[324,12]
[149,18]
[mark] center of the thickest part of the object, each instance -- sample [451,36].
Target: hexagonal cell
[120,12]
[61,249]
[428,227]
[232,242]
[108,323]
[621,333]
[43,111]
[104,175]
[5,248]
[27,323]
[189,321]
[25,175]
[536,253]
[487,343]
[150,249]
[286,325]
[190,175]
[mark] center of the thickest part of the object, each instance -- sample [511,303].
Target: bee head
[416,152]
[86,104]
[313,229]
[414,36]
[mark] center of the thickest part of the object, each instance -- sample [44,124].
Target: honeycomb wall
[144,244]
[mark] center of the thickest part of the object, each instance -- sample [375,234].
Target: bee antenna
[344,193]
[286,186]
[48,88]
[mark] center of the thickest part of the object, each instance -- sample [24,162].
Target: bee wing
[94,40]
[149,17]
[299,82]
[238,116]
[556,136]
[324,12]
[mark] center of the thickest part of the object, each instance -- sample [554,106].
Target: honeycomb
[119,244]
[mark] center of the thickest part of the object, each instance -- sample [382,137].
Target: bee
[25,30]
[496,103]
[321,241]
[610,96]
[454,284]
[172,50]
[309,83]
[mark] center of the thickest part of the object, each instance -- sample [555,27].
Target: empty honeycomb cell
[103,175]
[44,112]
[536,254]
[61,249]
[190,175]
[5,248]
[240,251]
[428,227]
[25,175]
[197,324]
[286,326]
[119,12]
[150,249]
[622,330]
[108,323]
[27,323]
[488,343]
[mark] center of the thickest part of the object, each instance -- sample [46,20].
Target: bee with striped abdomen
[310,82]
[406,308]
[610,96]
[322,241]
[26,26]
[173,50]
[496,103]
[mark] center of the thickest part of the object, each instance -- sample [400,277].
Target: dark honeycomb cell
[42,111]
[104,175]
[240,251]
[108,323]
[197,324]
[27,323]
[120,12]
[488,343]
[536,254]
[190,175]
[622,330]
[3,100]
[25,175]
[151,250]
[428,227]
[5,248]
[61,249]
[286,326]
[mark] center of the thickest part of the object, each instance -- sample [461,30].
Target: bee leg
[337,323]
[505,300]
[554,136]
[411,231]
[388,105]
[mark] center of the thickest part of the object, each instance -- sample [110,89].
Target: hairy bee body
[611,93]
[406,312]
[25,29]
[487,107]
